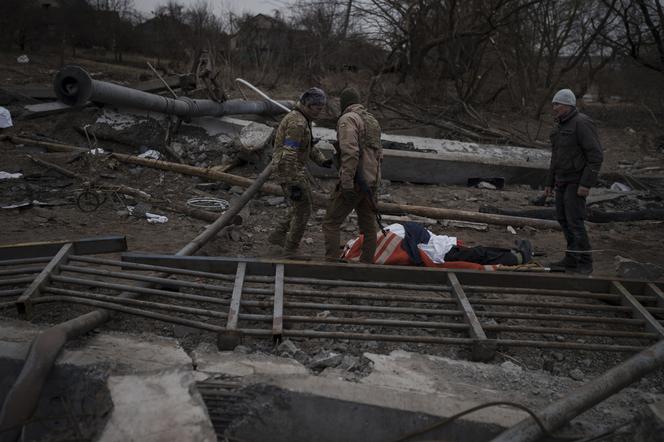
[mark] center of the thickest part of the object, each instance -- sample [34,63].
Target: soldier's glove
[327,163]
[348,195]
[295,193]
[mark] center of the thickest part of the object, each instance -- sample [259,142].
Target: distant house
[260,34]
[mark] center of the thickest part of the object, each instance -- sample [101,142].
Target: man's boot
[584,264]
[525,247]
[567,263]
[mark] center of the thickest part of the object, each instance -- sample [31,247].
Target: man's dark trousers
[570,213]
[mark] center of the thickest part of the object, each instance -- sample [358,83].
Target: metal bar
[270,280]
[570,331]
[129,310]
[136,302]
[148,267]
[638,310]
[655,291]
[388,274]
[24,302]
[278,315]
[153,279]
[481,290]
[482,350]
[581,399]
[16,281]
[141,290]
[572,318]
[21,270]
[566,306]
[469,317]
[451,326]
[14,262]
[234,309]
[453,341]
[86,246]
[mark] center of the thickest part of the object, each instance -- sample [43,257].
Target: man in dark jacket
[576,157]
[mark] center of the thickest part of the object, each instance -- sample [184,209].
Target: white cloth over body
[436,248]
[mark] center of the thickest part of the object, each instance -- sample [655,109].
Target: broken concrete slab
[127,388]
[440,161]
[252,140]
[238,364]
[157,407]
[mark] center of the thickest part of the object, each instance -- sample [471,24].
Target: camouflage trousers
[292,224]
[335,215]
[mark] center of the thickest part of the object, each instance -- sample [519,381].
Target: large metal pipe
[559,413]
[22,399]
[74,86]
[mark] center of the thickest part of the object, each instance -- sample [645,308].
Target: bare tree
[639,31]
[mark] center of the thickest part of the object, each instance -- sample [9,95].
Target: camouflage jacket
[358,131]
[292,147]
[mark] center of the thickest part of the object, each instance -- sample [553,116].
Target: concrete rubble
[146,389]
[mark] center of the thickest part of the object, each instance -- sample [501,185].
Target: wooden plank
[24,302]
[278,316]
[638,310]
[234,309]
[652,290]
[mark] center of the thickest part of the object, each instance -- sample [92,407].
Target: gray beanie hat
[565,96]
[348,96]
[313,96]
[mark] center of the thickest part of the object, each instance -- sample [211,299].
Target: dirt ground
[630,148]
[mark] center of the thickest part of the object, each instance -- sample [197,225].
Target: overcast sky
[218,6]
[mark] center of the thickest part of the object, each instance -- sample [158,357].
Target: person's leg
[300,212]
[337,211]
[278,235]
[366,220]
[484,255]
[575,212]
[569,260]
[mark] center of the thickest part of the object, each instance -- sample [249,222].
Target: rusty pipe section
[74,86]
[22,399]
[559,413]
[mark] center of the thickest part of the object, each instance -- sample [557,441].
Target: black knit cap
[313,96]
[348,96]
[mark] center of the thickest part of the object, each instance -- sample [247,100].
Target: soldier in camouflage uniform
[293,146]
[360,153]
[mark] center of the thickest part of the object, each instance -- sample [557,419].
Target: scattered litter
[620,187]
[10,176]
[511,230]
[480,227]
[209,203]
[485,185]
[97,151]
[23,59]
[150,154]
[5,118]
[153,218]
